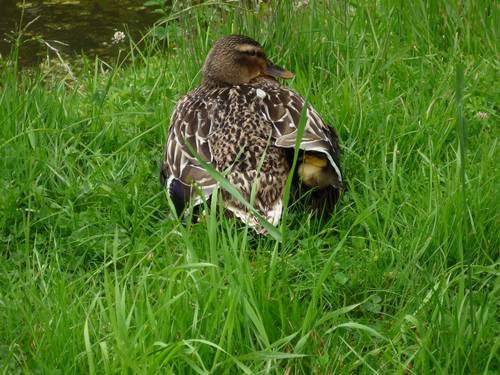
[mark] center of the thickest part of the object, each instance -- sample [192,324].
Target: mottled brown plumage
[239,120]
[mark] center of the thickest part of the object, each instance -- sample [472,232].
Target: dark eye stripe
[249,52]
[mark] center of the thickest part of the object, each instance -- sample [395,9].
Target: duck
[244,123]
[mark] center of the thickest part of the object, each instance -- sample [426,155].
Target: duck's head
[235,60]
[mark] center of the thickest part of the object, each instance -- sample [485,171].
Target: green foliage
[404,278]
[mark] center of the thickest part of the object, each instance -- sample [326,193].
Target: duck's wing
[283,107]
[181,173]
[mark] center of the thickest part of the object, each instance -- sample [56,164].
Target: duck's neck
[214,83]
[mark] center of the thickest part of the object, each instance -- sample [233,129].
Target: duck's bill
[276,71]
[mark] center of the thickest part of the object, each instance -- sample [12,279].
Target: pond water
[70,26]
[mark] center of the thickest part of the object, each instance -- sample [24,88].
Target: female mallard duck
[244,123]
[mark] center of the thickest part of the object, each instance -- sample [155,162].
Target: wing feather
[193,120]
[181,173]
[283,107]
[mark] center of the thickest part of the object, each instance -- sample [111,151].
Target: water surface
[71,26]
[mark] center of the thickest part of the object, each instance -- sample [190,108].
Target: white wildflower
[301,3]
[118,37]
[482,115]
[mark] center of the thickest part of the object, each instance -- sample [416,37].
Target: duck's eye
[249,52]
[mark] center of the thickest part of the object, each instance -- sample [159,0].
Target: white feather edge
[273,216]
[169,182]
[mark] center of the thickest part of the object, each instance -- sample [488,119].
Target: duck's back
[243,131]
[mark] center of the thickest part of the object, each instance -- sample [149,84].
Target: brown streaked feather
[221,124]
[246,128]
[283,107]
[189,124]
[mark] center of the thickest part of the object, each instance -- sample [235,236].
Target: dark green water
[71,26]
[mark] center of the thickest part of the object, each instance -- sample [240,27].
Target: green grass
[404,278]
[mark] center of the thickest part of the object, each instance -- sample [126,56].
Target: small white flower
[482,115]
[118,37]
[302,3]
